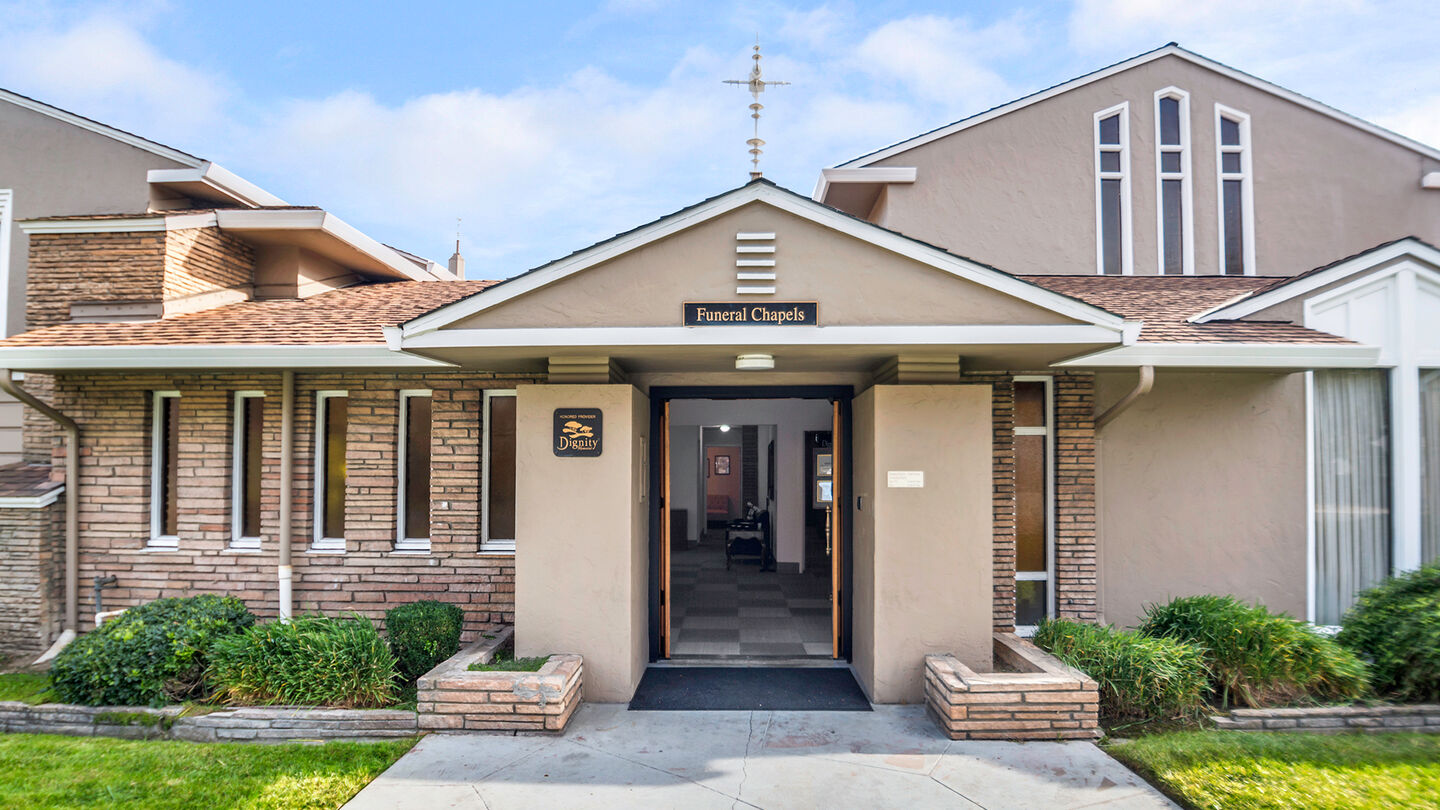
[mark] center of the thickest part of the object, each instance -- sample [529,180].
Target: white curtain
[1352,487]
[1430,465]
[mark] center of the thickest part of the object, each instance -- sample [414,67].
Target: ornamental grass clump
[1140,677]
[1396,627]
[1257,658]
[149,655]
[308,661]
[422,634]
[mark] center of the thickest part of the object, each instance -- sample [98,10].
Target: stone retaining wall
[1335,719]
[452,698]
[1038,699]
[250,724]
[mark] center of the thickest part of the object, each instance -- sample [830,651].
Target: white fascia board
[790,203]
[142,224]
[215,176]
[66,358]
[1230,355]
[1100,75]
[127,138]
[1251,303]
[319,220]
[863,174]
[760,336]
[32,501]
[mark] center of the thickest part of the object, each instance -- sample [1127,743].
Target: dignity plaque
[742,313]
[578,432]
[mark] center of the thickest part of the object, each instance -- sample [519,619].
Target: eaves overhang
[215,356]
[1234,356]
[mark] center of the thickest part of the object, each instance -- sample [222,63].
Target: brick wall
[114,414]
[31,570]
[68,267]
[199,260]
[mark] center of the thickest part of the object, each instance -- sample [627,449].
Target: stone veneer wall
[31,577]
[1335,719]
[263,724]
[113,410]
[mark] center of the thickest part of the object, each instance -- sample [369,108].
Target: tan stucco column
[582,544]
[923,554]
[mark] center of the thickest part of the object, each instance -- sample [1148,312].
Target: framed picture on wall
[824,491]
[722,465]
[824,465]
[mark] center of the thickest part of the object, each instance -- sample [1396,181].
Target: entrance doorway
[749,553]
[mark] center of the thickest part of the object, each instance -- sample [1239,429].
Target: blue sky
[548,126]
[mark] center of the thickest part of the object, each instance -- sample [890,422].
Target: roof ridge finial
[756,85]
[457,262]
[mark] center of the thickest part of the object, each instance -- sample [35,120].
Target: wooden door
[838,500]
[663,443]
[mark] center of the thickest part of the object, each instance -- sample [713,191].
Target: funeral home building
[1163,329]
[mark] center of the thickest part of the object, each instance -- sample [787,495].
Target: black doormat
[815,689]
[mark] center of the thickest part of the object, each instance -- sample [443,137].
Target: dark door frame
[842,394]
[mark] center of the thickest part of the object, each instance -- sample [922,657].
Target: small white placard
[905,478]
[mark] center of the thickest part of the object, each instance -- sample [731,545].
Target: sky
[544,127]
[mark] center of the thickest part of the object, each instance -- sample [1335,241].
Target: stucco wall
[1018,191]
[1201,489]
[582,549]
[922,561]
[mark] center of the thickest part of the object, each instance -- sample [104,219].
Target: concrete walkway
[614,758]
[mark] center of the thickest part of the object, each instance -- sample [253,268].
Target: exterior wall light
[752,362]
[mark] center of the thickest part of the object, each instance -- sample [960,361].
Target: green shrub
[1255,657]
[422,634]
[148,655]
[309,661]
[505,661]
[1396,626]
[1140,677]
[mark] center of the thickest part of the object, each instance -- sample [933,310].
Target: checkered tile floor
[744,611]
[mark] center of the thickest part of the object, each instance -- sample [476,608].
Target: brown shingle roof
[21,480]
[352,315]
[1164,303]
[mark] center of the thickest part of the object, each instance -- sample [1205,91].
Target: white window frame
[1247,196]
[1187,210]
[1048,431]
[238,541]
[158,539]
[403,543]
[1127,231]
[7,219]
[490,545]
[319,542]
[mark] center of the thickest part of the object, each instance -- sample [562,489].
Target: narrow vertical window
[1236,192]
[1429,465]
[332,417]
[497,512]
[413,519]
[246,470]
[1112,191]
[7,214]
[1172,178]
[1034,592]
[164,469]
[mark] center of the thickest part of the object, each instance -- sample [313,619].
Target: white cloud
[944,59]
[1420,121]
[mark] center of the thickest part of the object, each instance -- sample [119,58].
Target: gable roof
[1284,289]
[762,190]
[128,138]
[1170,49]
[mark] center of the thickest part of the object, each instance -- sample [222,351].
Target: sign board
[744,313]
[578,432]
[905,479]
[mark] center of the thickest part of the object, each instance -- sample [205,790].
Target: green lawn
[46,771]
[1226,769]
[25,686]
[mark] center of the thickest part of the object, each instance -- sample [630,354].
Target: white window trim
[1247,196]
[319,542]
[488,545]
[158,539]
[403,543]
[1127,231]
[7,219]
[1187,210]
[1048,575]
[238,541]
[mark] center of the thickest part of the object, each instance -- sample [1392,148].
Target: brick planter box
[452,698]
[1039,699]
[1335,719]
[248,724]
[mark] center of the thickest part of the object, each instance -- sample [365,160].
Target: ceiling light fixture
[753,362]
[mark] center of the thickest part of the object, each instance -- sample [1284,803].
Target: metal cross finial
[756,85]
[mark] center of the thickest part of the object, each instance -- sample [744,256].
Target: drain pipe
[287,488]
[1142,387]
[72,508]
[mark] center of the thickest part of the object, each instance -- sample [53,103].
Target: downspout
[287,488]
[72,509]
[1142,387]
